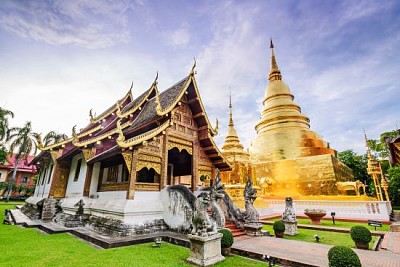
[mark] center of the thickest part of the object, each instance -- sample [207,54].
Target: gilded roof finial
[192,72]
[39,140]
[74,135]
[274,73]
[156,79]
[91,116]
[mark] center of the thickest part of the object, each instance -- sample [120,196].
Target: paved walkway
[309,254]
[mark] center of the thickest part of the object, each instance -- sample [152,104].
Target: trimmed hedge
[360,234]
[341,256]
[279,226]
[227,238]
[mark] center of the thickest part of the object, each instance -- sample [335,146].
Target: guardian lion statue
[201,222]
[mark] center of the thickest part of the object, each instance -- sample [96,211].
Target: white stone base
[205,251]
[351,210]
[253,229]
[290,228]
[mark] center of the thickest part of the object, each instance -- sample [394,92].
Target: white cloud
[179,37]
[91,24]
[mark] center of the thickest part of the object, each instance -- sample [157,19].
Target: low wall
[352,210]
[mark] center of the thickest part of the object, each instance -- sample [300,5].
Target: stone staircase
[235,231]
[49,209]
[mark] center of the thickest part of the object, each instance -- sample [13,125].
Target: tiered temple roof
[132,121]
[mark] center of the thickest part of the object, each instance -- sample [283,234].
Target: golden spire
[367,145]
[231,129]
[274,73]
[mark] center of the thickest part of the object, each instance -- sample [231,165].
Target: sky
[340,59]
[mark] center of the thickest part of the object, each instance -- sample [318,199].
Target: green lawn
[28,247]
[385,227]
[326,237]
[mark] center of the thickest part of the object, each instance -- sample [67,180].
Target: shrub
[279,226]
[341,256]
[360,234]
[227,238]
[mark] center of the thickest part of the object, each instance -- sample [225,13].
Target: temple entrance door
[179,167]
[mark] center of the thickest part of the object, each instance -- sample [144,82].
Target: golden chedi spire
[233,151]
[232,146]
[283,132]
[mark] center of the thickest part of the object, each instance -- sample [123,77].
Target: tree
[52,138]
[394,185]
[4,132]
[358,163]
[22,141]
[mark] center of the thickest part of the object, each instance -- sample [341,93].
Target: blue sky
[341,60]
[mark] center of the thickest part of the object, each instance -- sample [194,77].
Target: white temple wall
[146,206]
[75,188]
[94,182]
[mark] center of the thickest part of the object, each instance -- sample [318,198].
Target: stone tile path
[299,253]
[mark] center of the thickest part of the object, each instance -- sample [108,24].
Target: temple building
[124,157]
[286,157]
[393,144]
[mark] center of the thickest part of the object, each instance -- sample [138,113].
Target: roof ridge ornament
[193,72]
[156,80]
[121,137]
[38,137]
[92,120]
[75,138]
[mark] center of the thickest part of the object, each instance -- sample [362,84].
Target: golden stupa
[234,152]
[286,158]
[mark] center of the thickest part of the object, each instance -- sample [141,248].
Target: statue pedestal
[290,228]
[205,251]
[253,229]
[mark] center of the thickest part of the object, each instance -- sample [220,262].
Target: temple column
[130,194]
[164,162]
[195,165]
[88,179]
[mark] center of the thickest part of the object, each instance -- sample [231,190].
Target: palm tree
[4,132]
[52,138]
[22,141]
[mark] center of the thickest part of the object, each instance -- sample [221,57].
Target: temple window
[146,175]
[77,170]
[24,180]
[114,174]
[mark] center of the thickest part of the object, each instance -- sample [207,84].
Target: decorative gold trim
[127,155]
[54,154]
[211,130]
[102,136]
[148,164]
[50,147]
[88,153]
[113,109]
[139,138]
[82,134]
[180,141]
